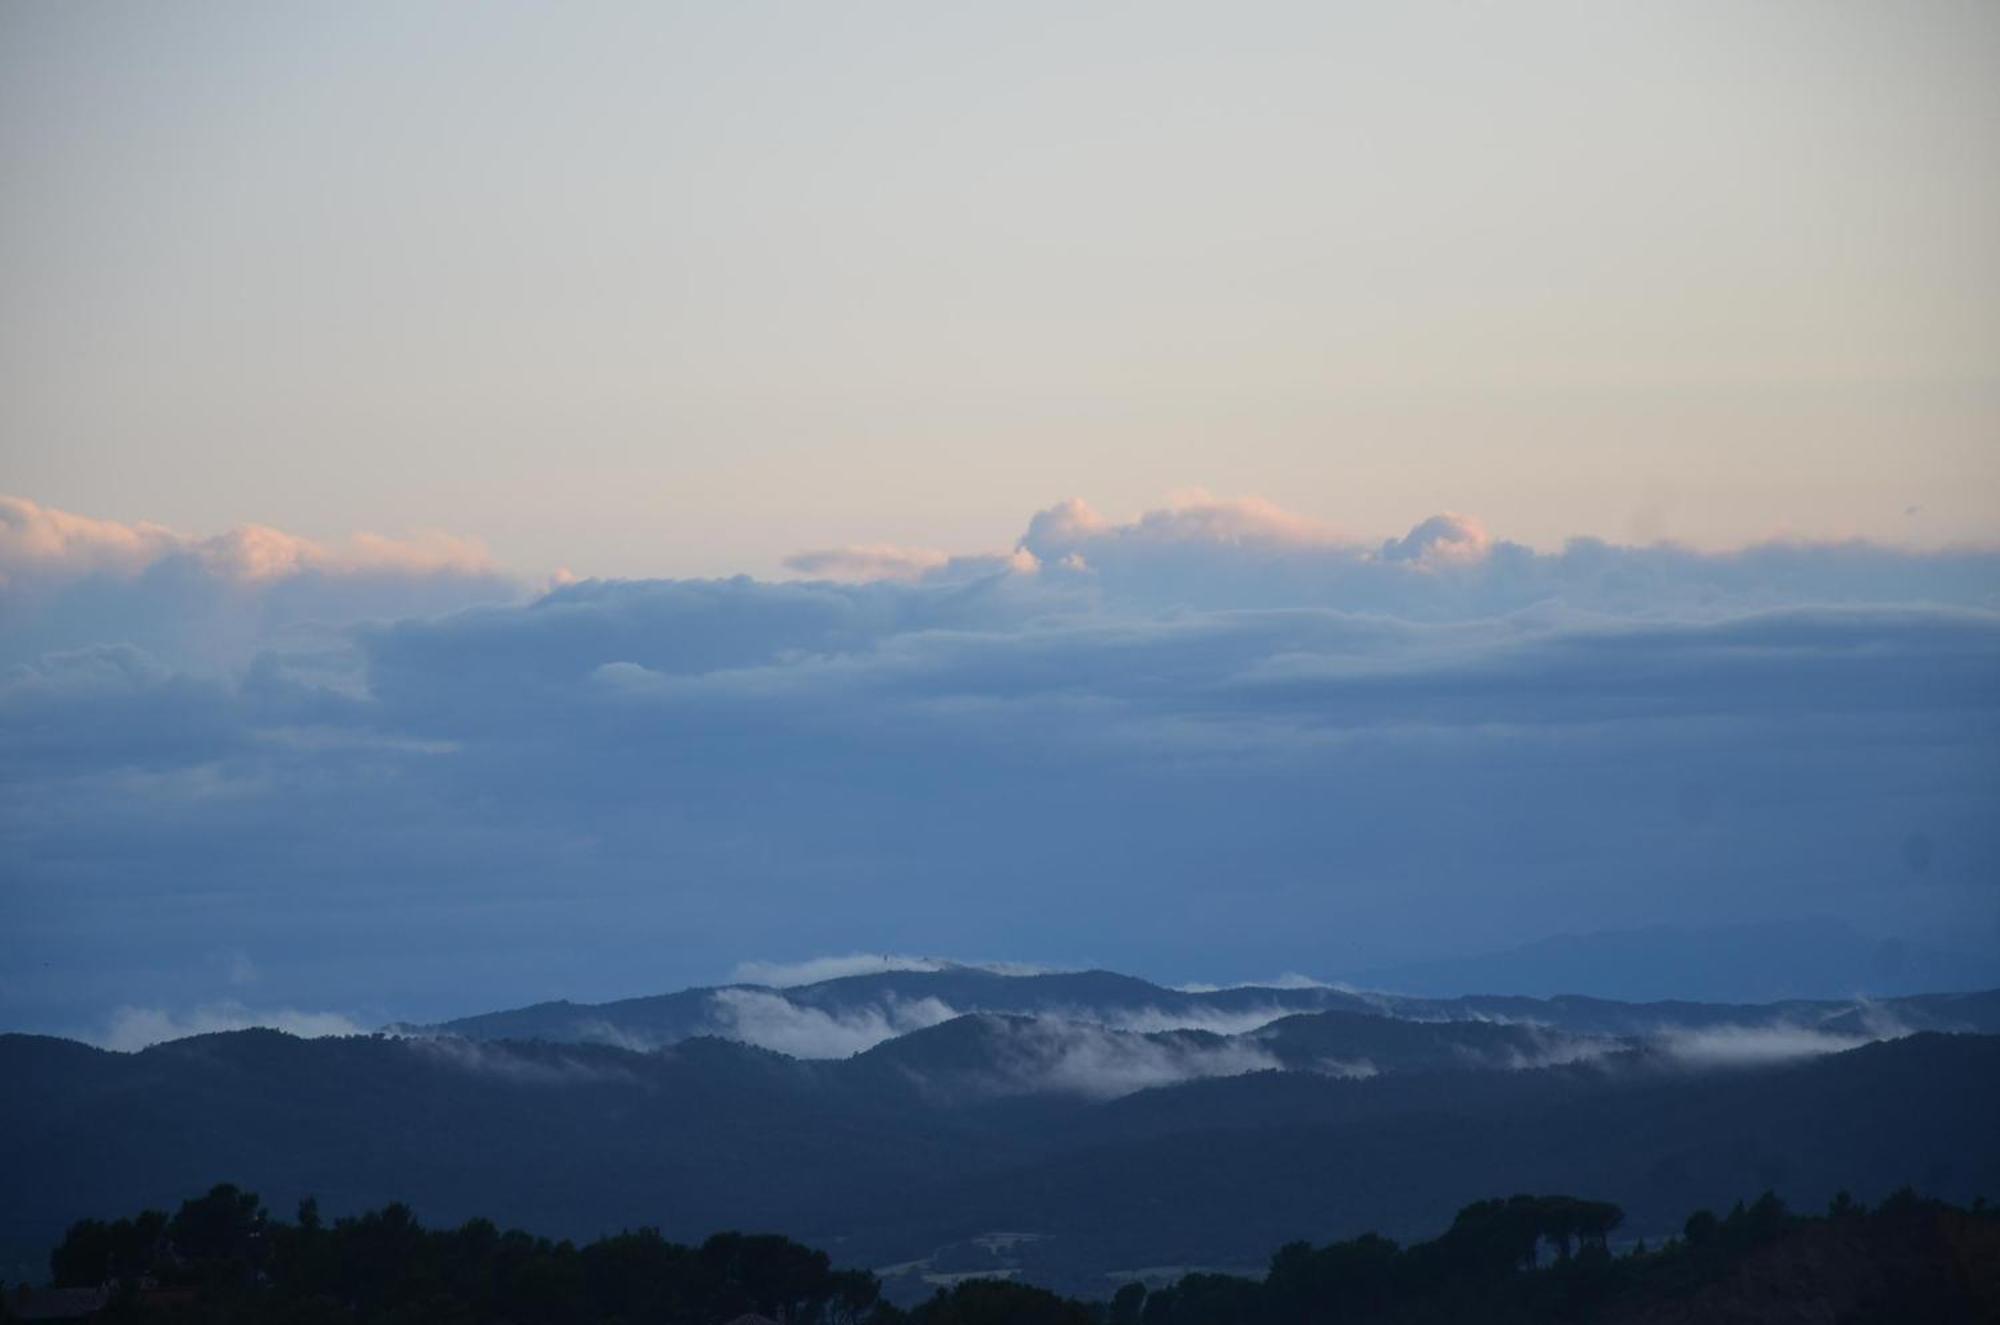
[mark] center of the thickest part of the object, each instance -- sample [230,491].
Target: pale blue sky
[680,289]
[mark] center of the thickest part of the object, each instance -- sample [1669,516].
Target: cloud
[1442,540]
[1214,553]
[134,1028]
[1073,528]
[41,546]
[539,1065]
[69,582]
[1213,736]
[886,561]
[812,970]
[1195,1017]
[1546,1049]
[771,1021]
[41,543]
[1346,1069]
[1052,1056]
[876,561]
[1287,980]
[1755,1046]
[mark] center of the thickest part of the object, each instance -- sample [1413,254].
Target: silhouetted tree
[1000,1302]
[1126,1304]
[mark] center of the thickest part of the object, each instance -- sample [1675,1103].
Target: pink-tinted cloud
[37,540]
[40,544]
[70,581]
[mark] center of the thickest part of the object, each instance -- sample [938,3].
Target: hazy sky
[661,289]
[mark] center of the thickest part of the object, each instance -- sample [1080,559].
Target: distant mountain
[1813,958]
[1116,1149]
[1359,1044]
[836,1018]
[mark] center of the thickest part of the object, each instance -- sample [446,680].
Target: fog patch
[1346,1069]
[1288,980]
[1879,1022]
[1753,1046]
[1544,1050]
[1216,1021]
[602,1031]
[786,975]
[772,1021]
[815,970]
[133,1028]
[512,1065]
[1072,1058]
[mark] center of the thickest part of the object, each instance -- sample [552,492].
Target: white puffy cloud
[1073,527]
[1442,540]
[69,582]
[42,547]
[41,543]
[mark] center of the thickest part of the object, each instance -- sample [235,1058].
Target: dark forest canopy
[858,1156]
[224,1257]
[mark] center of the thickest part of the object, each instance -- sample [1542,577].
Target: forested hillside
[225,1257]
[918,1153]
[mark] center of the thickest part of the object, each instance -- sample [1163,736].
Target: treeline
[222,1257]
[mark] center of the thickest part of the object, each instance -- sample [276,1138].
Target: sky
[680,289]
[559,503]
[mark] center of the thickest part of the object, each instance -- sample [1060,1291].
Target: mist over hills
[846,1014]
[1118,1123]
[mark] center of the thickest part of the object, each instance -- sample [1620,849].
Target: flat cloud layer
[1216,738]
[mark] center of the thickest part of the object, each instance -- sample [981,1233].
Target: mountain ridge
[1119,1148]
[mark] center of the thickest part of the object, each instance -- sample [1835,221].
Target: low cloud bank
[1049,1056]
[771,1021]
[1755,1046]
